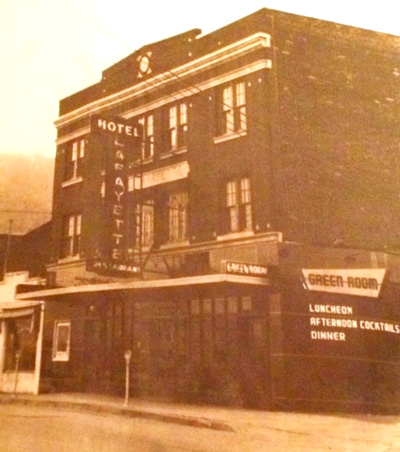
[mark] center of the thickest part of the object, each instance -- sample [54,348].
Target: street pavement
[245,430]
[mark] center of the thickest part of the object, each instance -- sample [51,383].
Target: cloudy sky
[53,48]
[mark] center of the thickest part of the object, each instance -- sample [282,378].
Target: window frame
[238,205]
[75,153]
[177,119]
[147,123]
[145,213]
[233,112]
[57,354]
[178,204]
[71,235]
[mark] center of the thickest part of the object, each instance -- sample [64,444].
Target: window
[71,241]
[145,223]
[75,155]
[177,216]
[20,340]
[238,205]
[61,340]
[147,123]
[233,108]
[177,126]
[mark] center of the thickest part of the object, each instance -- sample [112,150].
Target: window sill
[229,136]
[170,245]
[66,260]
[138,163]
[174,152]
[60,359]
[235,235]
[75,180]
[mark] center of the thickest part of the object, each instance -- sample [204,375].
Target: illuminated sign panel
[110,267]
[365,282]
[240,268]
[116,140]
[329,321]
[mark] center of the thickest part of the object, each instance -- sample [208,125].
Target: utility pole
[7,249]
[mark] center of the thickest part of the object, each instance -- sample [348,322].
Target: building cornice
[197,66]
[72,136]
[202,86]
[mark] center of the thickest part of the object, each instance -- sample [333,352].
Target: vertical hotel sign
[118,138]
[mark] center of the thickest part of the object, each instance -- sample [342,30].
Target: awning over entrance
[17,309]
[145,285]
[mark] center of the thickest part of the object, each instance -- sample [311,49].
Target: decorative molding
[203,86]
[209,61]
[72,136]
[229,136]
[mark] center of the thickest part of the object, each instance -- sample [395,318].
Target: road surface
[27,428]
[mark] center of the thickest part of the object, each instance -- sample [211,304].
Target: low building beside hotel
[215,199]
[21,327]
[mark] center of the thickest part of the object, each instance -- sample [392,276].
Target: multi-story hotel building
[222,204]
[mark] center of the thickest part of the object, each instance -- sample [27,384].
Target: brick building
[196,183]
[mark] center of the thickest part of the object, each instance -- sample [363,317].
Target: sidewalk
[356,432]
[197,416]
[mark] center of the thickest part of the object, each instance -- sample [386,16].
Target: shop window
[75,153]
[20,340]
[195,307]
[177,126]
[220,306]
[232,305]
[233,109]
[238,212]
[247,304]
[71,237]
[177,216]
[207,306]
[257,330]
[61,340]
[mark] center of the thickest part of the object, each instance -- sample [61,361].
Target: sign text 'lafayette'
[116,138]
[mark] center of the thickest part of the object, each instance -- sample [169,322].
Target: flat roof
[142,285]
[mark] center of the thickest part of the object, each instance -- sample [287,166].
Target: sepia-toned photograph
[200,226]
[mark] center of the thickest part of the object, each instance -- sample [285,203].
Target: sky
[53,48]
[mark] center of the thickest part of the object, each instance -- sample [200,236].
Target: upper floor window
[177,126]
[238,205]
[71,238]
[177,216]
[147,123]
[233,108]
[75,155]
[145,223]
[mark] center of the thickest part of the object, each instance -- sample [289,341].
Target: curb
[123,411]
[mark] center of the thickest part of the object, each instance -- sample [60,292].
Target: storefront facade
[21,329]
[191,339]
[316,330]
